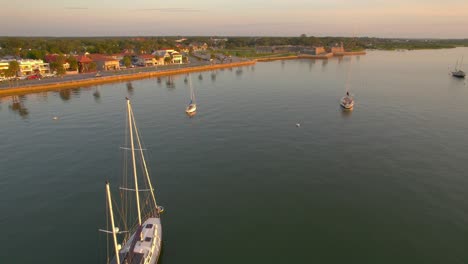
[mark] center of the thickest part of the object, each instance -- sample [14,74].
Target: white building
[27,67]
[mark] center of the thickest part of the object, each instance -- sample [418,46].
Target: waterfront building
[314,50]
[105,63]
[27,67]
[147,60]
[337,48]
[83,63]
[175,56]
[50,58]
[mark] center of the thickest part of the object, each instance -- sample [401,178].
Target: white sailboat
[347,102]
[192,107]
[457,72]
[141,238]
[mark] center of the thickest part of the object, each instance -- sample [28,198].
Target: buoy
[298,125]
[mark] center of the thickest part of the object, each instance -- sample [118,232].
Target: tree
[57,67]
[127,61]
[167,60]
[13,69]
[92,66]
[73,63]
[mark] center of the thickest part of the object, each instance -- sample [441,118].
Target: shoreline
[118,78]
[143,75]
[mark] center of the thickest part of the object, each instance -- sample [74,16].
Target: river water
[241,183]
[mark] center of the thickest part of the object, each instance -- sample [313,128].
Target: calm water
[386,183]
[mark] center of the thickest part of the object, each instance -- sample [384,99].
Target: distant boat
[347,102]
[142,237]
[192,107]
[458,73]
[98,74]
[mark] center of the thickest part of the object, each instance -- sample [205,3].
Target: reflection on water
[239,71]
[65,95]
[213,75]
[345,113]
[200,77]
[130,89]
[190,115]
[97,95]
[17,105]
[170,82]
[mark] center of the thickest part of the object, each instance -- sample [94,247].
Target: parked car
[33,77]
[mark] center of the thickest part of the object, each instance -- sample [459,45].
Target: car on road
[33,77]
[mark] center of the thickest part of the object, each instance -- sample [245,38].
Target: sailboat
[347,102]
[458,72]
[192,107]
[141,240]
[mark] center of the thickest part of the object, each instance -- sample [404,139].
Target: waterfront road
[75,77]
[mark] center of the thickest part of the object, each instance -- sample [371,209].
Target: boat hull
[458,74]
[192,108]
[347,103]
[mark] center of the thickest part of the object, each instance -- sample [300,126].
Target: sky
[353,18]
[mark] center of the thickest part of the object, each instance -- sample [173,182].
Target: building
[27,67]
[337,48]
[146,60]
[197,46]
[105,63]
[50,58]
[314,50]
[175,56]
[84,63]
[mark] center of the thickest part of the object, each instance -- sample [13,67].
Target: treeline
[37,48]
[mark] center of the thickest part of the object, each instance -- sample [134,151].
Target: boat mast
[129,109]
[114,231]
[192,94]
[144,161]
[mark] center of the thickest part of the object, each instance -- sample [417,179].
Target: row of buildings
[101,62]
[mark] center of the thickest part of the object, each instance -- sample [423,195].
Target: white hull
[192,108]
[459,74]
[347,103]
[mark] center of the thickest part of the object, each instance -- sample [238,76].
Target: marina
[385,182]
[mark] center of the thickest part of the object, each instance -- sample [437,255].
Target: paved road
[193,62]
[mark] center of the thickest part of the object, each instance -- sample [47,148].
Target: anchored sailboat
[347,102]
[142,242]
[192,107]
[457,71]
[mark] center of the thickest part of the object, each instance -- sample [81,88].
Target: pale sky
[374,18]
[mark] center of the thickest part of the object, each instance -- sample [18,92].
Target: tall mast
[114,231]
[130,126]
[144,161]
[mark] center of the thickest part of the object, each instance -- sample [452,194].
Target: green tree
[92,66]
[13,69]
[73,63]
[57,67]
[127,61]
[167,60]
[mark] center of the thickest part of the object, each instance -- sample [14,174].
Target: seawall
[116,78]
